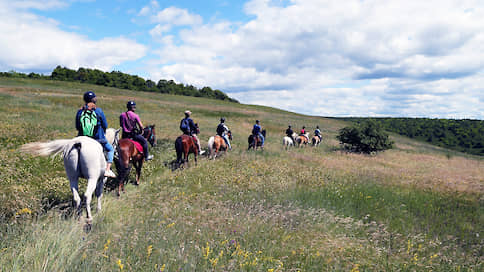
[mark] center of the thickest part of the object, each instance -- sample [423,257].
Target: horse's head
[150,135]
[197,128]
[229,133]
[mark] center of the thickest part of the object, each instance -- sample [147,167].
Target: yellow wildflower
[120,264]
[356,268]
[170,225]
[162,268]
[149,250]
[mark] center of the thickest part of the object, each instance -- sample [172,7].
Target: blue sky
[319,57]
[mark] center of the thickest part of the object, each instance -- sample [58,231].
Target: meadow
[416,207]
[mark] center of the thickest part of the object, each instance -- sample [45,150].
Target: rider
[130,122]
[190,129]
[290,132]
[99,131]
[303,132]
[317,132]
[222,131]
[256,130]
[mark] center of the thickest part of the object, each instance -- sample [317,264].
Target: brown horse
[128,152]
[217,143]
[184,145]
[255,141]
[315,140]
[302,140]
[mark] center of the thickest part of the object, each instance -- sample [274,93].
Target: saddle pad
[137,145]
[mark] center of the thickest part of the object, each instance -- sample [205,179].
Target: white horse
[83,157]
[288,141]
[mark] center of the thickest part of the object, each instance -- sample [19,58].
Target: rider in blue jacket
[256,130]
[99,132]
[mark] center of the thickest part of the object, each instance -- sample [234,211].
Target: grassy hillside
[414,208]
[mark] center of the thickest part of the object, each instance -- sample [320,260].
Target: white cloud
[176,16]
[30,42]
[376,57]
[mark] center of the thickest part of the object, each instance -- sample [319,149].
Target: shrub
[364,137]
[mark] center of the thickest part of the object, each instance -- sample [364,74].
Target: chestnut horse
[302,140]
[255,141]
[127,152]
[217,143]
[184,145]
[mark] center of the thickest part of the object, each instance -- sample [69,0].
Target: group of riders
[303,133]
[91,121]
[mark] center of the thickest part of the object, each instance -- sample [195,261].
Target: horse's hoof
[87,227]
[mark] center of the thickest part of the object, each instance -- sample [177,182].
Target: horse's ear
[153,126]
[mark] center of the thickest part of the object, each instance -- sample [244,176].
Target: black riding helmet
[222,119]
[88,96]
[130,105]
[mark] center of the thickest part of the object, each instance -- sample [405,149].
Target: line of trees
[463,135]
[124,81]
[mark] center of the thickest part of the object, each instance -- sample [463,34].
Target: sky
[378,58]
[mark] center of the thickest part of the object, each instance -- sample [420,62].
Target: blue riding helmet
[130,104]
[88,96]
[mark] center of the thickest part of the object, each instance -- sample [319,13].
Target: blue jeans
[226,138]
[109,148]
[262,138]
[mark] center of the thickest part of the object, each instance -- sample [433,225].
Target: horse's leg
[99,191]
[75,192]
[138,166]
[91,186]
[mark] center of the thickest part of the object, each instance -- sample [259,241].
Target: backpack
[184,126]
[88,120]
[220,129]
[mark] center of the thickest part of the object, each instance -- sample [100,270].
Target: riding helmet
[222,119]
[130,105]
[88,96]
[257,121]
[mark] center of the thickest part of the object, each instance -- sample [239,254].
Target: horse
[184,145]
[255,142]
[288,141]
[315,140]
[127,152]
[302,140]
[83,157]
[217,143]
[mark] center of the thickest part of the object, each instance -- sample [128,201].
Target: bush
[364,137]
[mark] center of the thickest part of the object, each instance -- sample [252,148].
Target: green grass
[314,209]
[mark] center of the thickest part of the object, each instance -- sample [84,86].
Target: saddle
[137,145]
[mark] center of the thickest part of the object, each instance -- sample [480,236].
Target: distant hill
[124,81]
[461,135]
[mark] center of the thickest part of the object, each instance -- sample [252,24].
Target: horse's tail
[211,141]
[48,148]
[178,148]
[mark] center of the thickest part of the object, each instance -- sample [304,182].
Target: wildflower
[170,225]
[162,268]
[106,245]
[24,211]
[149,250]
[270,270]
[206,251]
[214,261]
[120,264]
[356,268]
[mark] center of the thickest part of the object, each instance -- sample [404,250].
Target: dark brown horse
[184,145]
[255,141]
[316,140]
[217,143]
[128,152]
